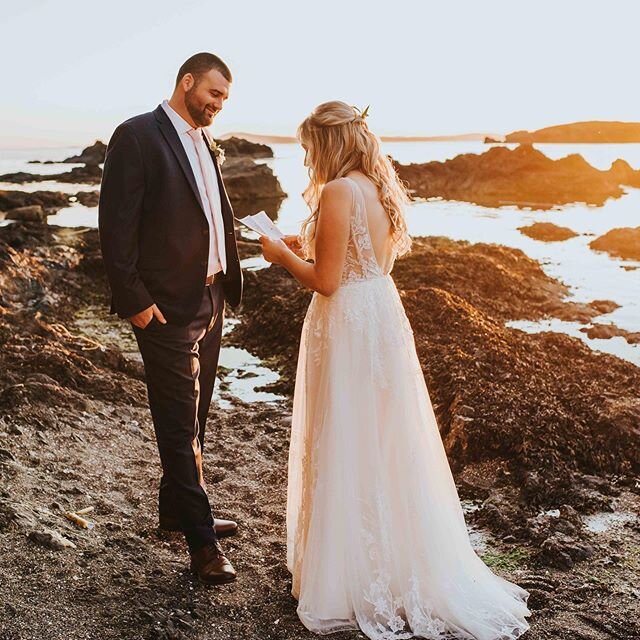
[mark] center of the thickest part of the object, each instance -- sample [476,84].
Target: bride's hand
[273,250]
[293,242]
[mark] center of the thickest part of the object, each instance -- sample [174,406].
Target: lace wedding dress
[376,537]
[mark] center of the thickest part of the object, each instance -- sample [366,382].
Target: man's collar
[180,124]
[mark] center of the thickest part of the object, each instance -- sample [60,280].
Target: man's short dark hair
[201,63]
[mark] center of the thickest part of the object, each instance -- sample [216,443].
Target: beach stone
[51,539]
[15,513]
[31,213]
[7,456]
[562,551]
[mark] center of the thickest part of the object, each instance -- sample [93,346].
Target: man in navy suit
[169,249]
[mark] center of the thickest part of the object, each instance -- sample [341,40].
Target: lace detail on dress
[360,263]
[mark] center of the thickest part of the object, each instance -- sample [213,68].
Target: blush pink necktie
[208,175]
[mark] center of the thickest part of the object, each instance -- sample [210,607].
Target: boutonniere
[216,149]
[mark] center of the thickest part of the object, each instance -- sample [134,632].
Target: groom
[169,249]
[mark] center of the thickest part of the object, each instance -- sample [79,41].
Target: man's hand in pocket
[142,319]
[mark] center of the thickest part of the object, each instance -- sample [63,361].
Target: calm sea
[589,275]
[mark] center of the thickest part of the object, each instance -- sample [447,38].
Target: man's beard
[198,114]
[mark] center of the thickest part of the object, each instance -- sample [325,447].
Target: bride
[376,537]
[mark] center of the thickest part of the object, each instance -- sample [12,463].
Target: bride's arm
[332,236]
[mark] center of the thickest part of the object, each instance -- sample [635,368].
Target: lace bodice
[360,262]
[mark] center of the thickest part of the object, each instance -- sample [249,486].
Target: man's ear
[187,81]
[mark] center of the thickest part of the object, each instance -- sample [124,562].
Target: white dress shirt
[217,257]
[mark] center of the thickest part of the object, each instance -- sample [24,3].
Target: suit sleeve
[119,213]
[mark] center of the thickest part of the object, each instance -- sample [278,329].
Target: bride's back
[380,227]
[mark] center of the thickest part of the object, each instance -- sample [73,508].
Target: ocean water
[588,274]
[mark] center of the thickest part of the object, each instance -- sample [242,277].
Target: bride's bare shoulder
[335,203]
[336,192]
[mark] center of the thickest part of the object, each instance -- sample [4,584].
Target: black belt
[213,278]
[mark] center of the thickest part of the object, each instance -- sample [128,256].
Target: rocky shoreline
[521,177]
[251,185]
[540,431]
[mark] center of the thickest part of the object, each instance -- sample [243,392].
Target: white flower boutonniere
[217,150]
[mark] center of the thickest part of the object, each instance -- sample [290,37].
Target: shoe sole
[217,581]
[218,535]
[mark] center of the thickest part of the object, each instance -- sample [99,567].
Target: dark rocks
[547,232]
[50,200]
[6,456]
[248,180]
[538,599]
[17,514]
[135,429]
[235,147]
[51,539]
[88,198]
[620,243]
[32,213]
[624,411]
[606,331]
[523,177]
[87,174]
[93,155]
[562,551]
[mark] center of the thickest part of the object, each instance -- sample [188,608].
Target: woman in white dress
[376,537]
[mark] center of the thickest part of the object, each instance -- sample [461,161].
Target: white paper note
[261,223]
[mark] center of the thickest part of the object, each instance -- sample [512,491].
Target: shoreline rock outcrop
[523,177]
[547,232]
[86,174]
[623,242]
[235,147]
[92,155]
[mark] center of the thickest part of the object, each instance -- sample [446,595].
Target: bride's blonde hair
[339,141]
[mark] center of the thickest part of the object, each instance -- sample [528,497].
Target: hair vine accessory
[361,113]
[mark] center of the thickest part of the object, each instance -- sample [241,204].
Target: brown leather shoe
[223,528]
[211,566]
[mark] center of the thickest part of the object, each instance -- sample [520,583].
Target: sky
[73,70]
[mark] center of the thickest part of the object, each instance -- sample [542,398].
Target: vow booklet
[261,223]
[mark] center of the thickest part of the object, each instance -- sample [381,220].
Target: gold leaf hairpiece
[362,113]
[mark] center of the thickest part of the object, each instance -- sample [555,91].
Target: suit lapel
[227,209]
[171,135]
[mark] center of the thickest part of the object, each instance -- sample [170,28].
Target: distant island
[273,139]
[581,132]
[594,131]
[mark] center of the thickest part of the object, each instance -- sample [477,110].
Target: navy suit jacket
[153,228]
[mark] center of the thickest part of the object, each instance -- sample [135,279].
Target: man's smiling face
[205,96]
